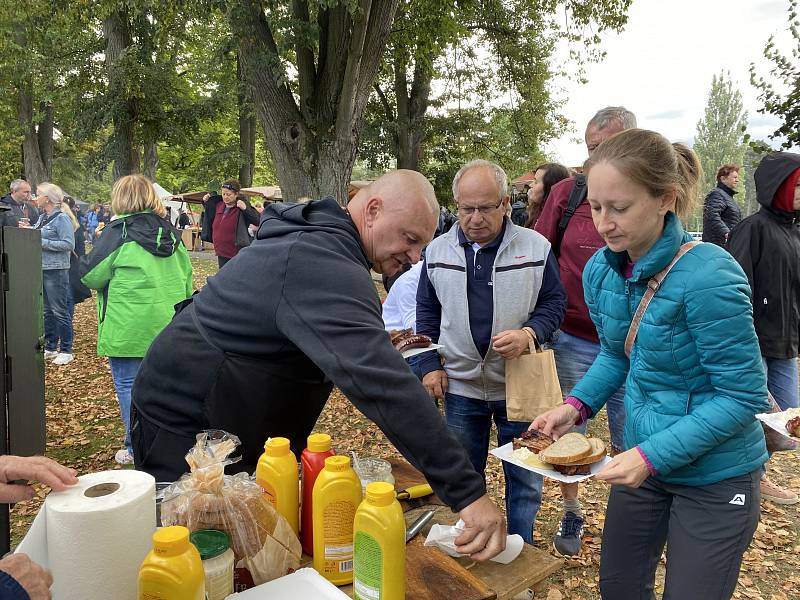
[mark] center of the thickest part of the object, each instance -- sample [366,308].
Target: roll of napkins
[94,535]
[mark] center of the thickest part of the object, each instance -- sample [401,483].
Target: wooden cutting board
[432,575]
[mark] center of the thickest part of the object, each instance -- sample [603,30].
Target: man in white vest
[485,288]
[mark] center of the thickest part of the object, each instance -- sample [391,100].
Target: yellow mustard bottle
[336,496]
[379,556]
[172,570]
[276,473]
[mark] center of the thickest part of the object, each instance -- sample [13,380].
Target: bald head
[396,217]
[400,188]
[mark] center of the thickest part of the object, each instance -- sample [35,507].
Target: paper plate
[504,453]
[415,351]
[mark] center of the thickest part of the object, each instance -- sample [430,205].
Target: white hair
[16,184]
[500,177]
[54,193]
[605,116]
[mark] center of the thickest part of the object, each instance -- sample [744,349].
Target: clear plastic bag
[262,540]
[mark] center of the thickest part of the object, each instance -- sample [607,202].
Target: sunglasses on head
[228,186]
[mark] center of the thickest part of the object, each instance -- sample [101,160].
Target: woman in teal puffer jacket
[694,382]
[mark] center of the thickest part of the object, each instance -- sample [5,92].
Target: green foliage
[719,137]
[782,97]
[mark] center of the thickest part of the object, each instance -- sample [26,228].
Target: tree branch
[387,107]
[306,73]
[347,99]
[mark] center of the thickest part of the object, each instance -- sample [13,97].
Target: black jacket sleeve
[330,310]
[209,212]
[714,228]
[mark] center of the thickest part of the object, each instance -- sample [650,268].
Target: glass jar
[370,470]
[214,548]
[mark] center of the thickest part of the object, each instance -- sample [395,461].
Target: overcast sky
[661,66]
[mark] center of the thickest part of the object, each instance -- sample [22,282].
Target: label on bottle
[368,568]
[338,530]
[269,493]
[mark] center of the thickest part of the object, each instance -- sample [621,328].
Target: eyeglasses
[468,211]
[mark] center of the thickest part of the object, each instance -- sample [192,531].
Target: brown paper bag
[532,385]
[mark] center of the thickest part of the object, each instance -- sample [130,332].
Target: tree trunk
[150,159]
[124,149]
[314,148]
[247,129]
[35,167]
[44,135]
[410,124]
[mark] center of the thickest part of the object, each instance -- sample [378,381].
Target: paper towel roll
[98,532]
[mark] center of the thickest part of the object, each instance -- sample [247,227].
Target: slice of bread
[569,449]
[598,452]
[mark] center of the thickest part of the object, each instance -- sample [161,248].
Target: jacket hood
[151,232]
[283,218]
[771,173]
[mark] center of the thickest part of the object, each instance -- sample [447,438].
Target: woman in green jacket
[141,270]
[689,475]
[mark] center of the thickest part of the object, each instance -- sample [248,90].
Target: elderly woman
[58,240]
[141,271]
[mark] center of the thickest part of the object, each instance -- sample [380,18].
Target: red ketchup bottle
[312,461]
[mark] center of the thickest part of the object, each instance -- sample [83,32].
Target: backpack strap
[652,287]
[576,196]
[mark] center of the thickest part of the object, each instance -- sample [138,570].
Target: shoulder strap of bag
[652,287]
[576,196]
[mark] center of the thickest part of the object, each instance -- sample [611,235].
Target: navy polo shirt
[480,296]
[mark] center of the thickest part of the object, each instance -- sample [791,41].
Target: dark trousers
[706,529]
[222,261]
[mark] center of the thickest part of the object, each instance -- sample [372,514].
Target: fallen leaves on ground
[84,430]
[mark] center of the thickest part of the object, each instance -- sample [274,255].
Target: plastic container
[214,548]
[312,461]
[172,570]
[379,567]
[370,470]
[336,496]
[276,473]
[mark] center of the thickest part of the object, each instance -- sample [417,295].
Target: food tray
[415,351]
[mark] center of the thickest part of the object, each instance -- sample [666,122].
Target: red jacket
[580,242]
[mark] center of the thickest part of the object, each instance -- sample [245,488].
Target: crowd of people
[681,365]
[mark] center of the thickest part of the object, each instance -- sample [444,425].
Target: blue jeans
[124,370]
[782,380]
[574,356]
[57,321]
[470,420]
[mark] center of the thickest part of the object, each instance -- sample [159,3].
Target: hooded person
[767,246]
[141,270]
[264,342]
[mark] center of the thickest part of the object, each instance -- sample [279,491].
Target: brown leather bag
[775,441]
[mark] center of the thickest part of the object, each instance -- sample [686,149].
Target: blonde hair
[649,159]
[54,193]
[135,193]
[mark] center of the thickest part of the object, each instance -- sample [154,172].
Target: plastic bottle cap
[277,446]
[337,463]
[319,442]
[380,493]
[210,542]
[171,539]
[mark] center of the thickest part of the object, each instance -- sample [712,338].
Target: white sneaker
[63,358]
[124,457]
[50,354]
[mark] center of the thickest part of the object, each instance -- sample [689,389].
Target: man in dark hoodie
[18,201]
[767,246]
[265,341]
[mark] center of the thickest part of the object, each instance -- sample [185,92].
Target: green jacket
[141,270]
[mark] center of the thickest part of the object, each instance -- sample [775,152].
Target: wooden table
[191,237]
[432,575]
